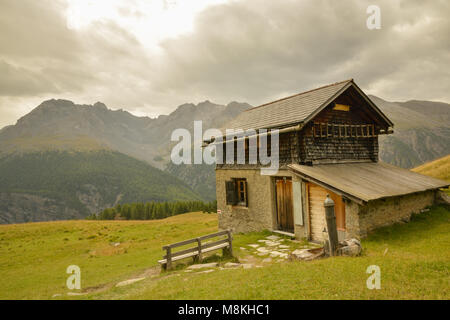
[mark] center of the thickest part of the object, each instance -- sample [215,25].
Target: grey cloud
[14,81]
[251,51]
[256,49]
[34,36]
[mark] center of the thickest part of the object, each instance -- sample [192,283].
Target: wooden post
[169,258]
[199,257]
[331,225]
[229,250]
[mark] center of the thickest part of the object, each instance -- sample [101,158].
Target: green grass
[34,256]
[439,168]
[414,259]
[415,266]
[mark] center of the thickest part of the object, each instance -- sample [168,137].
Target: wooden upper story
[337,123]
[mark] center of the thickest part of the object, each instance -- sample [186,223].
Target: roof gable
[299,108]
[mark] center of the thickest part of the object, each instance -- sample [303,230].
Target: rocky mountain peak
[100,105]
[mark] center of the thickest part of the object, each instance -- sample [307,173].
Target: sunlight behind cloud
[150,21]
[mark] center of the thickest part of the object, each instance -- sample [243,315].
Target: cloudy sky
[149,56]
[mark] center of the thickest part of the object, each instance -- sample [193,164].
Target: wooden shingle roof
[367,181]
[294,109]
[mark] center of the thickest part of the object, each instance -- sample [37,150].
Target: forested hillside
[56,185]
[153,210]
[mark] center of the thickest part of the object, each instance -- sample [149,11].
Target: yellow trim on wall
[341,107]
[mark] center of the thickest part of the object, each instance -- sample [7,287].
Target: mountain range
[94,157]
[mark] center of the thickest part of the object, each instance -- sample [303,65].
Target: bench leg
[169,258]
[227,252]
[197,258]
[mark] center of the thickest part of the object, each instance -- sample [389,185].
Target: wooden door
[285,211]
[316,198]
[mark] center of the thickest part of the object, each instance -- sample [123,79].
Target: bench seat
[194,253]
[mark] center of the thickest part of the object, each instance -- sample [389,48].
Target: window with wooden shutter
[231,192]
[241,185]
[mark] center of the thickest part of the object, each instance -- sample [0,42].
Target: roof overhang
[364,182]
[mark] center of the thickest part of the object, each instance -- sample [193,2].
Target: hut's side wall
[388,211]
[258,215]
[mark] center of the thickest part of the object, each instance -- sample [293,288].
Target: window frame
[241,194]
[236,192]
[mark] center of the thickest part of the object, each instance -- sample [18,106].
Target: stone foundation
[385,212]
[351,221]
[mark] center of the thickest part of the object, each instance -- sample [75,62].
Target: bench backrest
[199,245]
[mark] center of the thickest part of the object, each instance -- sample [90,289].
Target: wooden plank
[179,244]
[279,202]
[215,243]
[316,196]
[185,242]
[213,235]
[297,203]
[191,253]
[217,247]
[289,210]
[182,252]
[187,255]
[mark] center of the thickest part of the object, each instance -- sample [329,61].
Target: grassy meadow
[34,256]
[414,259]
[439,168]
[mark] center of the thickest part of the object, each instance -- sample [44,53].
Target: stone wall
[351,221]
[260,213]
[384,212]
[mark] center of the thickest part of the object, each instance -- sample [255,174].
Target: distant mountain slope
[436,110]
[201,177]
[421,132]
[56,185]
[63,125]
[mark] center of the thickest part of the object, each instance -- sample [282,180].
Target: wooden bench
[197,251]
